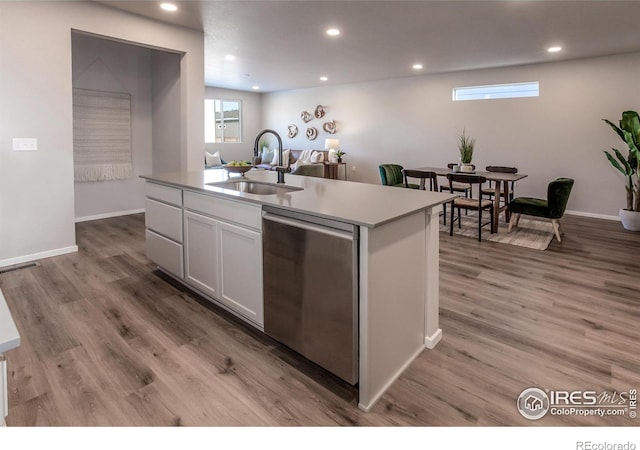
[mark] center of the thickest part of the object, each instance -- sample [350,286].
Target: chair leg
[480,225]
[444,210]
[493,225]
[460,220]
[556,228]
[560,227]
[467,194]
[514,221]
[451,220]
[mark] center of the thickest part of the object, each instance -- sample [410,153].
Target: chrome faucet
[281,169]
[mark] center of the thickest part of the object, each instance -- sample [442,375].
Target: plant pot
[630,219]
[339,159]
[466,168]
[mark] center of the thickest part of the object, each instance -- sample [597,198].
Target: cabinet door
[201,252]
[241,271]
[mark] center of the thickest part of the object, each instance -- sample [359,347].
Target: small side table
[332,170]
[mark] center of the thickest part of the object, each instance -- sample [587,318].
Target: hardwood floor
[109,341]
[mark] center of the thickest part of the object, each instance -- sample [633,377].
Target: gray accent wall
[37,213]
[414,122]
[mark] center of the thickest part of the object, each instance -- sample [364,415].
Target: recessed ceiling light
[255,87]
[333,32]
[169,7]
[554,49]
[323,78]
[230,58]
[417,66]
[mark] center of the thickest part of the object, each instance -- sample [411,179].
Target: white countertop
[9,336]
[363,204]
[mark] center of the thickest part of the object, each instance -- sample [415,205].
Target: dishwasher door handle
[309,226]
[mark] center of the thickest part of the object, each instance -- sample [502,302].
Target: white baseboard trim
[431,341]
[37,256]
[108,215]
[592,215]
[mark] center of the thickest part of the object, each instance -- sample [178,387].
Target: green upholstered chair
[552,208]
[392,175]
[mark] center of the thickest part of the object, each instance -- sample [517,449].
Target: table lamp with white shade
[332,145]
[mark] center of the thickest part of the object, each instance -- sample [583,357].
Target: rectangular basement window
[493,91]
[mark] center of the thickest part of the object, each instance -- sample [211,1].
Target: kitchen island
[209,236]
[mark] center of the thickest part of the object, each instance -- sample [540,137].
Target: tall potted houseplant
[628,129]
[466,146]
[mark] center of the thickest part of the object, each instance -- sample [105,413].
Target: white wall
[413,122]
[104,65]
[167,134]
[36,188]
[251,123]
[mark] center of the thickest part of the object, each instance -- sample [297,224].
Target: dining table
[501,183]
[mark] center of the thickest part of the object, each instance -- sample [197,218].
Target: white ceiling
[282,45]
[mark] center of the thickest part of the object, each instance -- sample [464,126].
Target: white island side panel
[432,331]
[393,265]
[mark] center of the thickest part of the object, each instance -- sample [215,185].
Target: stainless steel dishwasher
[311,288]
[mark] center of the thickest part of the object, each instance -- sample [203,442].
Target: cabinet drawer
[163,219]
[165,253]
[164,193]
[237,212]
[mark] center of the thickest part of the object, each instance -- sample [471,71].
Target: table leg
[496,206]
[507,213]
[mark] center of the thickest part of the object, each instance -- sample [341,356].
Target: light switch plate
[25,144]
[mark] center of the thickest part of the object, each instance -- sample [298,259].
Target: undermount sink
[255,187]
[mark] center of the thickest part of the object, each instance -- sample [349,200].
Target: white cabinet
[213,244]
[165,253]
[163,219]
[223,253]
[201,252]
[241,270]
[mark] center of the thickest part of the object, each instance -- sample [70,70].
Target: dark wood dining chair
[490,191]
[424,177]
[465,203]
[465,188]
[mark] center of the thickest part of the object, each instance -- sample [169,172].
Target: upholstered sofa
[293,158]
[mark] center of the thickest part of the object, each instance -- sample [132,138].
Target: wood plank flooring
[109,341]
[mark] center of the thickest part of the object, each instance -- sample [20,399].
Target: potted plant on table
[466,146]
[339,154]
[628,129]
